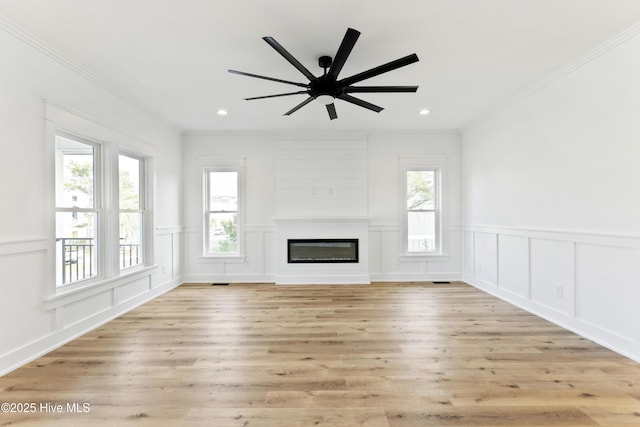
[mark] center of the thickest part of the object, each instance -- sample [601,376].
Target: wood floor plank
[392,354]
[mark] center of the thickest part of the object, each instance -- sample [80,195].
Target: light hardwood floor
[395,354]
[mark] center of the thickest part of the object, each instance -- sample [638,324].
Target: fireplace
[322,251]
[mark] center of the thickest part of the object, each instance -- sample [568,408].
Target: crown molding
[29,39]
[564,71]
[58,56]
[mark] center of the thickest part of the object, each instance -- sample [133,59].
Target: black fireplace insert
[322,250]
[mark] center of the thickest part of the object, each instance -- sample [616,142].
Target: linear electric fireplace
[322,250]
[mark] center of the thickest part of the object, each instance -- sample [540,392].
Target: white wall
[40,89]
[552,202]
[380,198]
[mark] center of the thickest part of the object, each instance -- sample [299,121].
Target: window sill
[423,257]
[227,259]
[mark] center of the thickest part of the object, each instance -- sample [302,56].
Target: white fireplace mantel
[323,227]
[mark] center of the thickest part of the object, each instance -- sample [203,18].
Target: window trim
[68,122]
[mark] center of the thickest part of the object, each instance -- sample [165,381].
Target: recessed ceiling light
[424,112]
[222,112]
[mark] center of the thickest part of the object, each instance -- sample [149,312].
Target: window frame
[107,208]
[436,210]
[437,163]
[97,209]
[142,210]
[238,253]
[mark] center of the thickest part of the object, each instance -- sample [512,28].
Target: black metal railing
[78,257]
[129,254]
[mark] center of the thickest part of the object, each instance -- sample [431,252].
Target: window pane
[223,191]
[76,249]
[129,180]
[422,231]
[130,253]
[75,174]
[420,190]
[223,232]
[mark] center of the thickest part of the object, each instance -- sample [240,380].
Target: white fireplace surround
[323,228]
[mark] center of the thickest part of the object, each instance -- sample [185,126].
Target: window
[221,211]
[131,203]
[423,211]
[100,210]
[78,210]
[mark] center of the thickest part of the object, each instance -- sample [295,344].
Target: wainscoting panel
[608,290]
[22,281]
[586,282]
[552,274]
[78,311]
[486,257]
[164,253]
[132,289]
[513,272]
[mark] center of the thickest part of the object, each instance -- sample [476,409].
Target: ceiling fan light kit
[326,88]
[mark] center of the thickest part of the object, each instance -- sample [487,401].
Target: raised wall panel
[552,273]
[467,253]
[21,283]
[270,253]
[513,261]
[85,308]
[485,250]
[163,258]
[177,255]
[132,289]
[607,291]
[375,252]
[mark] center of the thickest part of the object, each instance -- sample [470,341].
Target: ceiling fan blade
[282,51]
[349,40]
[242,73]
[331,109]
[379,89]
[277,95]
[299,106]
[360,102]
[381,69]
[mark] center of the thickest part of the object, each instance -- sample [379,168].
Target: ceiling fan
[327,88]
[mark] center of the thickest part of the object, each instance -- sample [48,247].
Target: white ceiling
[170,57]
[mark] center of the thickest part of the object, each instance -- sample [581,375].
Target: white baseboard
[416,277]
[317,279]
[229,278]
